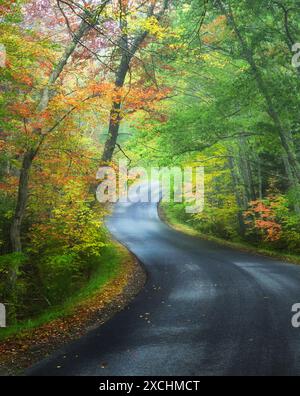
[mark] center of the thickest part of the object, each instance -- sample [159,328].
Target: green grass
[109,268]
[169,215]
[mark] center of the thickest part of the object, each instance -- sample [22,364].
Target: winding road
[205,310]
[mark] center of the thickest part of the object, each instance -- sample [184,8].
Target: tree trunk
[115,112]
[292,184]
[260,180]
[127,54]
[83,28]
[15,231]
[113,132]
[239,200]
[246,169]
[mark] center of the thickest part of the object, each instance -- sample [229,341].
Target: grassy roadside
[110,268]
[109,291]
[168,216]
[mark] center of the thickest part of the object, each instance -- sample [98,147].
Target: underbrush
[40,302]
[224,229]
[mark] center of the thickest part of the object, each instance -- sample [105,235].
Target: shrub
[13,285]
[61,275]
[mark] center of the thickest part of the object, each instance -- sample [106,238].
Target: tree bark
[83,28]
[15,232]
[239,200]
[115,112]
[246,169]
[113,132]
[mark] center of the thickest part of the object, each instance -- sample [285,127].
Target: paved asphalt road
[205,310]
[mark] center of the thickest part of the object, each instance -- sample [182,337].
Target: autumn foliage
[261,216]
[56,95]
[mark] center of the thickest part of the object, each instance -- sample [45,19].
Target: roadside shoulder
[188,230]
[21,350]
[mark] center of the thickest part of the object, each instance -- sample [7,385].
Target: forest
[213,83]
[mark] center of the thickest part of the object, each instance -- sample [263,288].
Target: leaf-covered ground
[21,351]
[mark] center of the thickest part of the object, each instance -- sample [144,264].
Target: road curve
[205,310]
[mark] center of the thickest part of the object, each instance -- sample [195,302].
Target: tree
[87,21]
[128,45]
